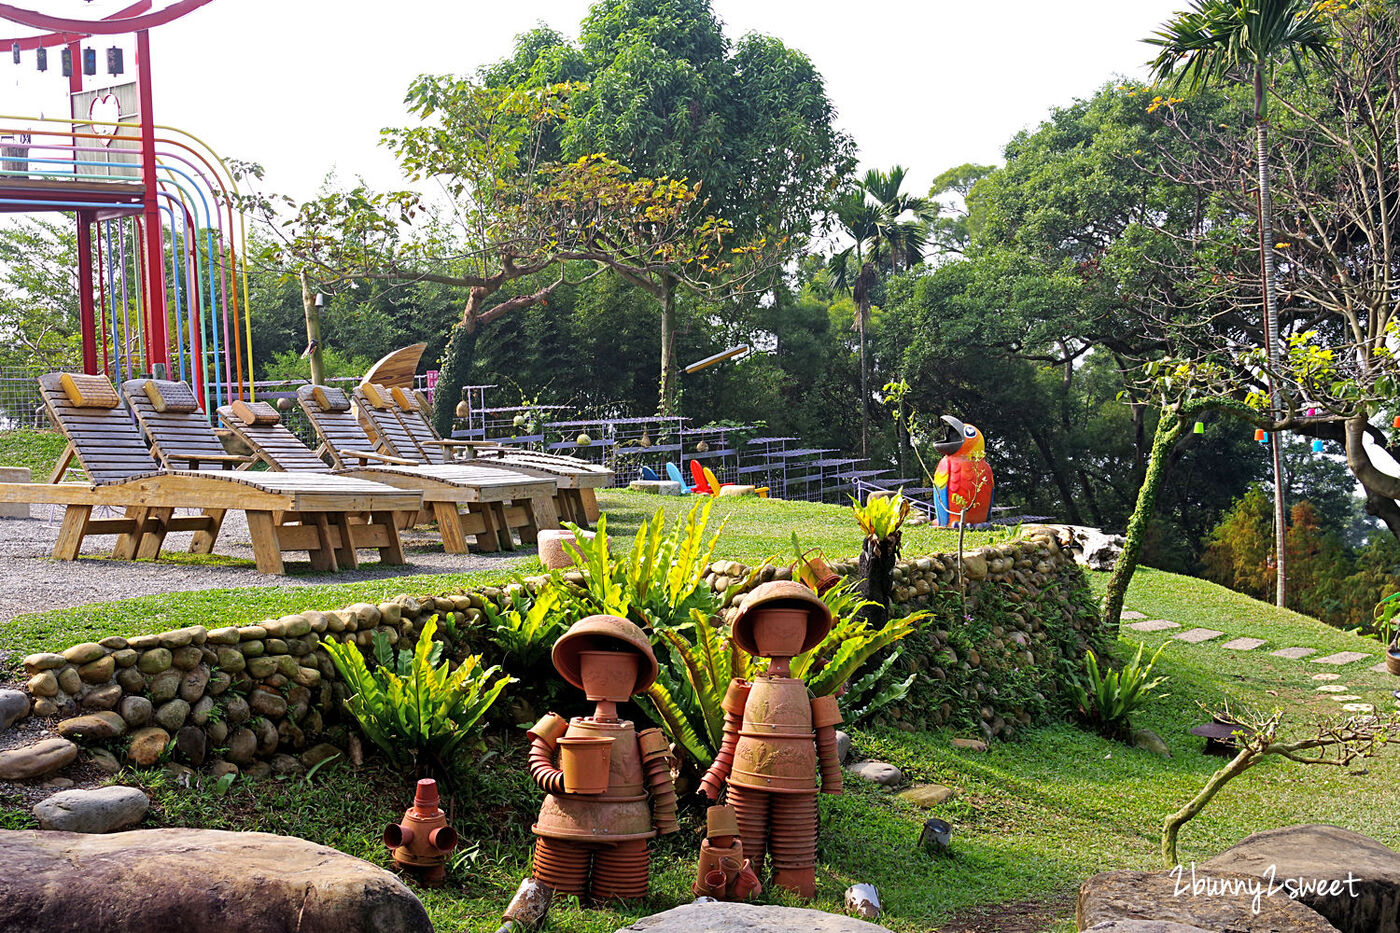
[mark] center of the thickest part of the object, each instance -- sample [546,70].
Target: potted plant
[1387,628]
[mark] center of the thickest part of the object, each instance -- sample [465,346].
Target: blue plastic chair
[673,473]
[649,474]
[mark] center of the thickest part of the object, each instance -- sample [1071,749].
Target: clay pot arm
[826,715]
[656,762]
[543,738]
[735,700]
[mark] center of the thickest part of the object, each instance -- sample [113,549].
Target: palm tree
[888,227]
[1217,41]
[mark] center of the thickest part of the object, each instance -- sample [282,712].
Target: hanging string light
[1317,446]
[1261,435]
[1200,427]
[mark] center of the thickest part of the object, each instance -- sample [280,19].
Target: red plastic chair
[702,485]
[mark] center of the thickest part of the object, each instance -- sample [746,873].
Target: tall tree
[665,92]
[1222,40]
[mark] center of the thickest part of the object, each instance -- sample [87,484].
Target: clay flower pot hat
[781,594]
[604,633]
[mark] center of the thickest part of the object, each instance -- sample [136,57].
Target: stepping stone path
[1131,614]
[1244,644]
[1293,654]
[1327,677]
[1153,625]
[1197,635]
[1342,657]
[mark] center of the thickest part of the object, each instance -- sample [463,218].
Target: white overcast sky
[303,86]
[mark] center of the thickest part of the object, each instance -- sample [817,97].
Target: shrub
[413,705]
[1107,698]
[661,579]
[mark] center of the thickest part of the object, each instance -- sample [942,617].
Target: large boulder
[1351,879]
[1227,904]
[720,917]
[156,880]
[1143,926]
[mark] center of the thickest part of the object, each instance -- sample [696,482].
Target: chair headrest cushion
[424,405]
[89,391]
[329,398]
[403,398]
[174,397]
[254,413]
[376,396]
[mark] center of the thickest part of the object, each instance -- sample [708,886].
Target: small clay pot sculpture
[596,819]
[724,874]
[776,737]
[422,841]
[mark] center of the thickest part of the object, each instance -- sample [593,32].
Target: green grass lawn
[27,447]
[1032,818]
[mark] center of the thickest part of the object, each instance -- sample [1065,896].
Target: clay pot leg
[751,807]
[562,865]
[620,871]
[793,843]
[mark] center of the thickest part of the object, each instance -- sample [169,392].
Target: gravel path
[30,580]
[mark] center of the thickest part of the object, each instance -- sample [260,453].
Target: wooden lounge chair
[504,499]
[316,514]
[400,423]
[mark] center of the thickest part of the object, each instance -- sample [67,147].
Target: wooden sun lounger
[497,500]
[285,513]
[405,429]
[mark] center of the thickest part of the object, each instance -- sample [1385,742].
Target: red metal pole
[158,339]
[86,321]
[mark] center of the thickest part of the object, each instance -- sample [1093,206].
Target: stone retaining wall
[234,697]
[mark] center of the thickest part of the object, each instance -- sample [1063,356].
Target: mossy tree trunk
[452,376]
[876,569]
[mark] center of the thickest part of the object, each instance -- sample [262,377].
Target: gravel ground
[30,580]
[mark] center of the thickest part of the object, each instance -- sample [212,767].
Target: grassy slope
[1032,818]
[26,447]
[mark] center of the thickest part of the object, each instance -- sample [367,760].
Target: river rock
[1319,853]
[843,746]
[147,745]
[172,715]
[156,880]
[1150,741]
[35,761]
[191,742]
[92,811]
[1168,896]
[878,771]
[927,795]
[720,917]
[242,746]
[136,711]
[94,727]
[14,705]
[103,697]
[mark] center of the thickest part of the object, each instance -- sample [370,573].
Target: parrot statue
[963,479]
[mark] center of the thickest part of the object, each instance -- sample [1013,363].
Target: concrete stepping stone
[1153,625]
[1342,657]
[1331,688]
[1131,614]
[1293,654]
[1379,668]
[1358,707]
[1327,677]
[1244,644]
[1197,635]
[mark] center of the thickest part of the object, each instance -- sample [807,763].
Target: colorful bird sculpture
[962,480]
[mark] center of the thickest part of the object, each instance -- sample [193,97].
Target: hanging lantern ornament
[115,65]
[1200,427]
[1261,435]
[41,58]
[14,51]
[1317,446]
[66,57]
[1312,412]
[89,61]
[1396,422]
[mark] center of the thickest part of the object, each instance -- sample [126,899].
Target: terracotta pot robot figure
[596,818]
[776,737]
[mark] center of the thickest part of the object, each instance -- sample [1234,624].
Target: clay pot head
[781,620]
[602,678]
